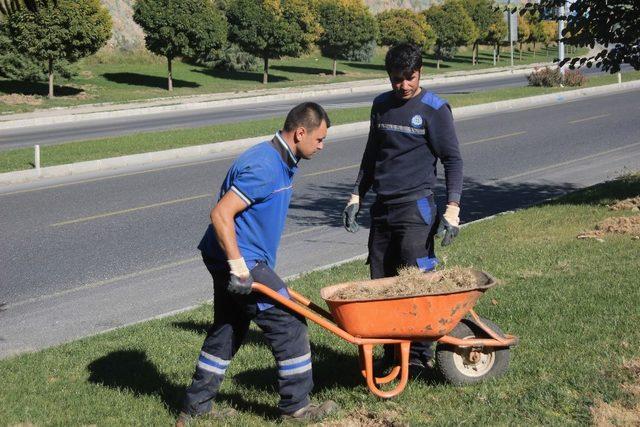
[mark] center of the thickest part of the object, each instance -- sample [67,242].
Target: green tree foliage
[611,24]
[524,31]
[271,29]
[550,29]
[404,26]
[66,30]
[487,21]
[175,28]
[15,65]
[537,34]
[498,30]
[347,27]
[453,26]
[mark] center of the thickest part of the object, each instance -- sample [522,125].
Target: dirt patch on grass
[615,225]
[630,204]
[412,281]
[615,413]
[363,418]
[18,99]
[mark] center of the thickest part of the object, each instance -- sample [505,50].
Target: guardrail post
[36,161]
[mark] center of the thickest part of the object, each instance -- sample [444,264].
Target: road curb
[345,130]
[62,115]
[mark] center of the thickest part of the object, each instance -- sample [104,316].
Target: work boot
[312,412]
[185,419]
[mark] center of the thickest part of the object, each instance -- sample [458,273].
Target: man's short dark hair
[403,58]
[308,115]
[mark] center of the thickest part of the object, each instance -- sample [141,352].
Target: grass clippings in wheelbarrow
[614,225]
[630,204]
[413,281]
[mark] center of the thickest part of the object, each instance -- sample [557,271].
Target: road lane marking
[333,170]
[493,138]
[160,169]
[306,230]
[139,208]
[106,282]
[568,162]
[589,118]
[134,275]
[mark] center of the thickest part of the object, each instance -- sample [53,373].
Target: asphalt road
[65,132]
[83,255]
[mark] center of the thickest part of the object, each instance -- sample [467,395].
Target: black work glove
[448,228]
[239,285]
[350,214]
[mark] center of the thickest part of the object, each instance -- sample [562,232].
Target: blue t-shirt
[263,180]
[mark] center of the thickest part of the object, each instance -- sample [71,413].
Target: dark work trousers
[285,332]
[403,235]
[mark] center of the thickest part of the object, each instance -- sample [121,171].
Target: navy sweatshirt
[406,139]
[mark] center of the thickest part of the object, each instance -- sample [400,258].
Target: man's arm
[367,165]
[222,218]
[444,141]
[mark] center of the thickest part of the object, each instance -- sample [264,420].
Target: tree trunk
[534,49]
[498,51]
[494,54]
[474,53]
[50,77]
[335,66]
[520,51]
[170,76]
[265,76]
[437,62]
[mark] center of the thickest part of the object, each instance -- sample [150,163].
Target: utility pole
[561,11]
[510,33]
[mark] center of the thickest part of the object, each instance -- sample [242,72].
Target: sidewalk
[111,110]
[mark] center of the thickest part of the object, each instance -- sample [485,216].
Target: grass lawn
[573,303]
[20,159]
[123,78]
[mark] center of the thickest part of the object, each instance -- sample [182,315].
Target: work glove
[240,279]
[449,224]
[350,214]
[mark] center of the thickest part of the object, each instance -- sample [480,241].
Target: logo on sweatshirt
[416,121]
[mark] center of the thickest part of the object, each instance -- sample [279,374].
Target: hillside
[129,36]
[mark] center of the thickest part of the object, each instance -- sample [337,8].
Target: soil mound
[412,281]
[630,204]
[615,225]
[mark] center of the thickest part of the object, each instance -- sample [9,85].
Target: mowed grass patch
[138,76]
[51,155]
[573,303]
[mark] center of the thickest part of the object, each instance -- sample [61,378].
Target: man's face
[405,85]
[309,143]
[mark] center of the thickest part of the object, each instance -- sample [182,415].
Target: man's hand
[449,224]
[240,279]
[350,214]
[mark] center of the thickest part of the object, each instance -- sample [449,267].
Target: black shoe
[313,412]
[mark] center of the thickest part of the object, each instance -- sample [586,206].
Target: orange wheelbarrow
[469,348]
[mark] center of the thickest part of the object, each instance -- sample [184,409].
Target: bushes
[230,58]
[552,77]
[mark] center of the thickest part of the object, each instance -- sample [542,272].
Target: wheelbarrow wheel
[466,365]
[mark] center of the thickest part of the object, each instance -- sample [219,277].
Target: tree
[271,29]
[537,34]
[550,29]
[175,28]
[524,31]
[404,26]
[347,27]
[453,27]
[60,30]
[496,33]
[611,24]
[486,19]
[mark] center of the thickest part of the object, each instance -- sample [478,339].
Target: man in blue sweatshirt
[411,130]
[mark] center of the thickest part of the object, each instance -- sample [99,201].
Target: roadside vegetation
[51,155]
[572,302]
[202,47]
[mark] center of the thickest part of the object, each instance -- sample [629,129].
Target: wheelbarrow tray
[407,317]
